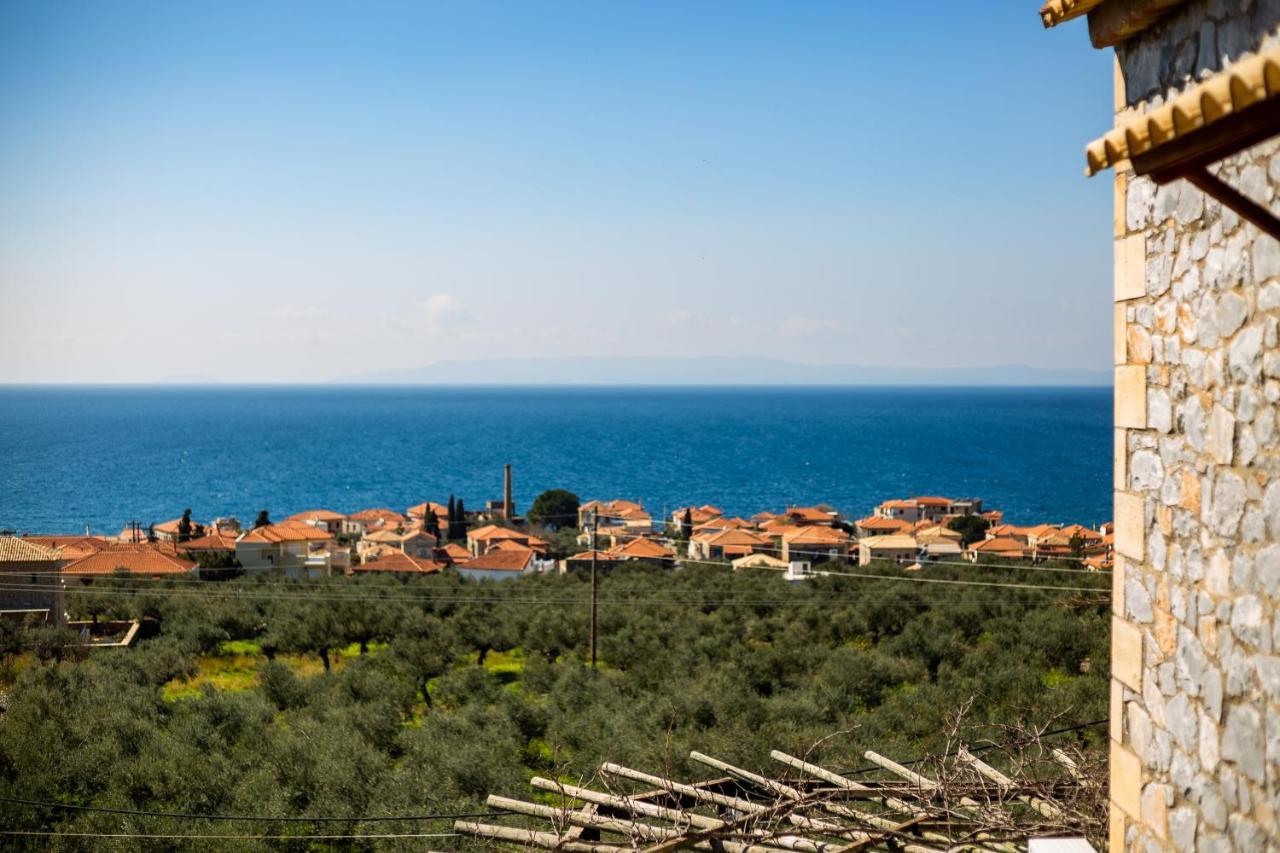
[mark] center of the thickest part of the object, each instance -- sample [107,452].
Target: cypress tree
[686,525]
[461,531]
[431,524]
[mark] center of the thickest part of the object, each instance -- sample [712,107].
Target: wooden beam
[629,828]
[773,787]
[530,837]
[1117,21]
[843,783]
[696,794]
[1226,136]
[676,816]
[1212,185]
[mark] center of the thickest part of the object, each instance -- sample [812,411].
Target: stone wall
[1195,694]
[1192,42]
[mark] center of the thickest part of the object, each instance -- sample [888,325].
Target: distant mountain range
[746,370]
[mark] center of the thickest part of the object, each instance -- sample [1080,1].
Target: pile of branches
[956,799]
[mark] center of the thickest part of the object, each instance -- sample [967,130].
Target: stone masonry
[1195,692]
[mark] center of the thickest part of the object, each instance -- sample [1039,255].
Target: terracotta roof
[876,522]
[316,515]
[900,543]
[586,555]
[286,531]
[421,509]
[726,524]
[810,513]
[15,550]
[932,500]
[817,534]
[141,558]
[1006,530]
[392,537]
[493,531]
[70,547]
[1081,531]
[899,504]
[501,561]
[209,542]
[1243,85]
[386,516]
[509,545]
[644,548]
[737,537]
[456,552]
[1055,12]
[170,526]
[760,560]
[999,544]
[400,562]
[938,533]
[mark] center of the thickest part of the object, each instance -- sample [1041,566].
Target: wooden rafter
[810,809]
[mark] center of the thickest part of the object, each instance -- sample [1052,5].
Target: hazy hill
[714,371]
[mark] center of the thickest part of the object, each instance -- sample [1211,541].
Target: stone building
[1195,691]
[30,580]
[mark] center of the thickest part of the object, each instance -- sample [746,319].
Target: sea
[76,458]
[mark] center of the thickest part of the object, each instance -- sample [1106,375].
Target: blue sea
[100,456]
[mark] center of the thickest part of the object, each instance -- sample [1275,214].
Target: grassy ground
[238,662]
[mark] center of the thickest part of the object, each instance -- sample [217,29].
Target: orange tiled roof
[455,553]
[400,562]
[209,542]
[15,550]
[1080,530]
[394,538]
[383,515]
[70,547]
[316,515]
[421,509]
[727,538]
[501,561]
[876,522]
[170,526]
[899,504]
[809,513]
[493,531]
[586,555]
[509,545]
[932,500]
[644,549]
[998,544]
[142,558]
[817,534]
[286,531]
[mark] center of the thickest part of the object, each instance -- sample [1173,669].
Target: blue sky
[302,191]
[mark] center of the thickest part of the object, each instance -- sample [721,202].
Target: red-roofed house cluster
[321,542]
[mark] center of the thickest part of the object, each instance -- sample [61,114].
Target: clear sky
[302,191]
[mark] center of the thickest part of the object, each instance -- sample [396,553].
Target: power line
[210,837]
[259,818]
[364,595]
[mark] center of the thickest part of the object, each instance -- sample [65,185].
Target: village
[495,543]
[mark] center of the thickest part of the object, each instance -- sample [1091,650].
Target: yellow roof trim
[1055,12]
[1246,83]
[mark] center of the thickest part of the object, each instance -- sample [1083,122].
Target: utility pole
[595,530]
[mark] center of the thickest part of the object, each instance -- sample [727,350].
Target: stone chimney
[508,511]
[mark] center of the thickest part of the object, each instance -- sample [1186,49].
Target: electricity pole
[595,528]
